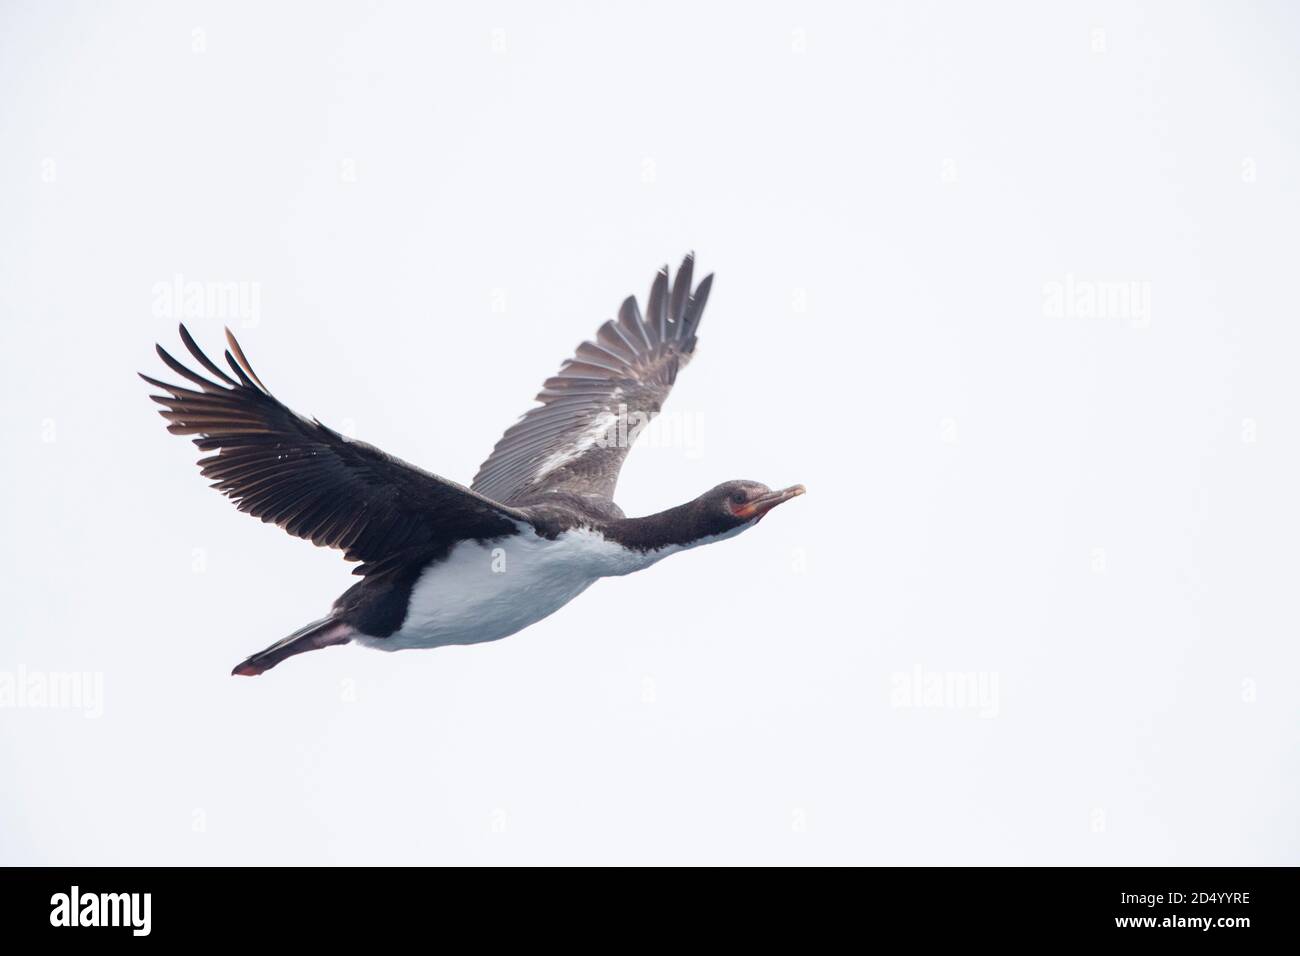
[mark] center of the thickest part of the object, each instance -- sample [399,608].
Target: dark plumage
[309,479]
[548,483]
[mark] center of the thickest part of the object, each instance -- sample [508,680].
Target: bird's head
[736,504]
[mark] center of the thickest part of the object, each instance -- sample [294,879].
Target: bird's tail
[323,633]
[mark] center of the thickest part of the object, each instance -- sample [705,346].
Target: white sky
[907,206]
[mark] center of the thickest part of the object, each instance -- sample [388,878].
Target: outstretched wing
[309,479]
[594,407]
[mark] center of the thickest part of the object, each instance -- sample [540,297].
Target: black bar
[1230,906]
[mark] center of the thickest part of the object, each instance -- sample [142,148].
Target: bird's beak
[761,506]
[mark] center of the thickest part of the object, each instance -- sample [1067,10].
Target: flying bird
[441,563]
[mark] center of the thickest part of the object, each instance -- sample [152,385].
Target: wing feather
[571,442]
[309,479]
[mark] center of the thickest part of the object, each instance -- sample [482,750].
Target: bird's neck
[675,528]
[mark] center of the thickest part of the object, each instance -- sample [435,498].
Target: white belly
[484,592]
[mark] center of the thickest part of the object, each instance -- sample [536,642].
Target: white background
[436,205]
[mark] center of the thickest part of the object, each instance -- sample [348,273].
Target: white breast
[484,592]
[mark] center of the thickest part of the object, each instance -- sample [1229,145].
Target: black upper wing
[309,479]
[594,407]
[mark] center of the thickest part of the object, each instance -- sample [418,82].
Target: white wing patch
[602,425]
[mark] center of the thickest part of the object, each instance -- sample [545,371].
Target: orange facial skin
[762,505]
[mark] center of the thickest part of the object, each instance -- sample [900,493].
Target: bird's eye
[738,497]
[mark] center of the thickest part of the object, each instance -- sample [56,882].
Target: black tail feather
[323,633]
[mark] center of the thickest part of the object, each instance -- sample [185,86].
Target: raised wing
[309,479]
[594,407]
